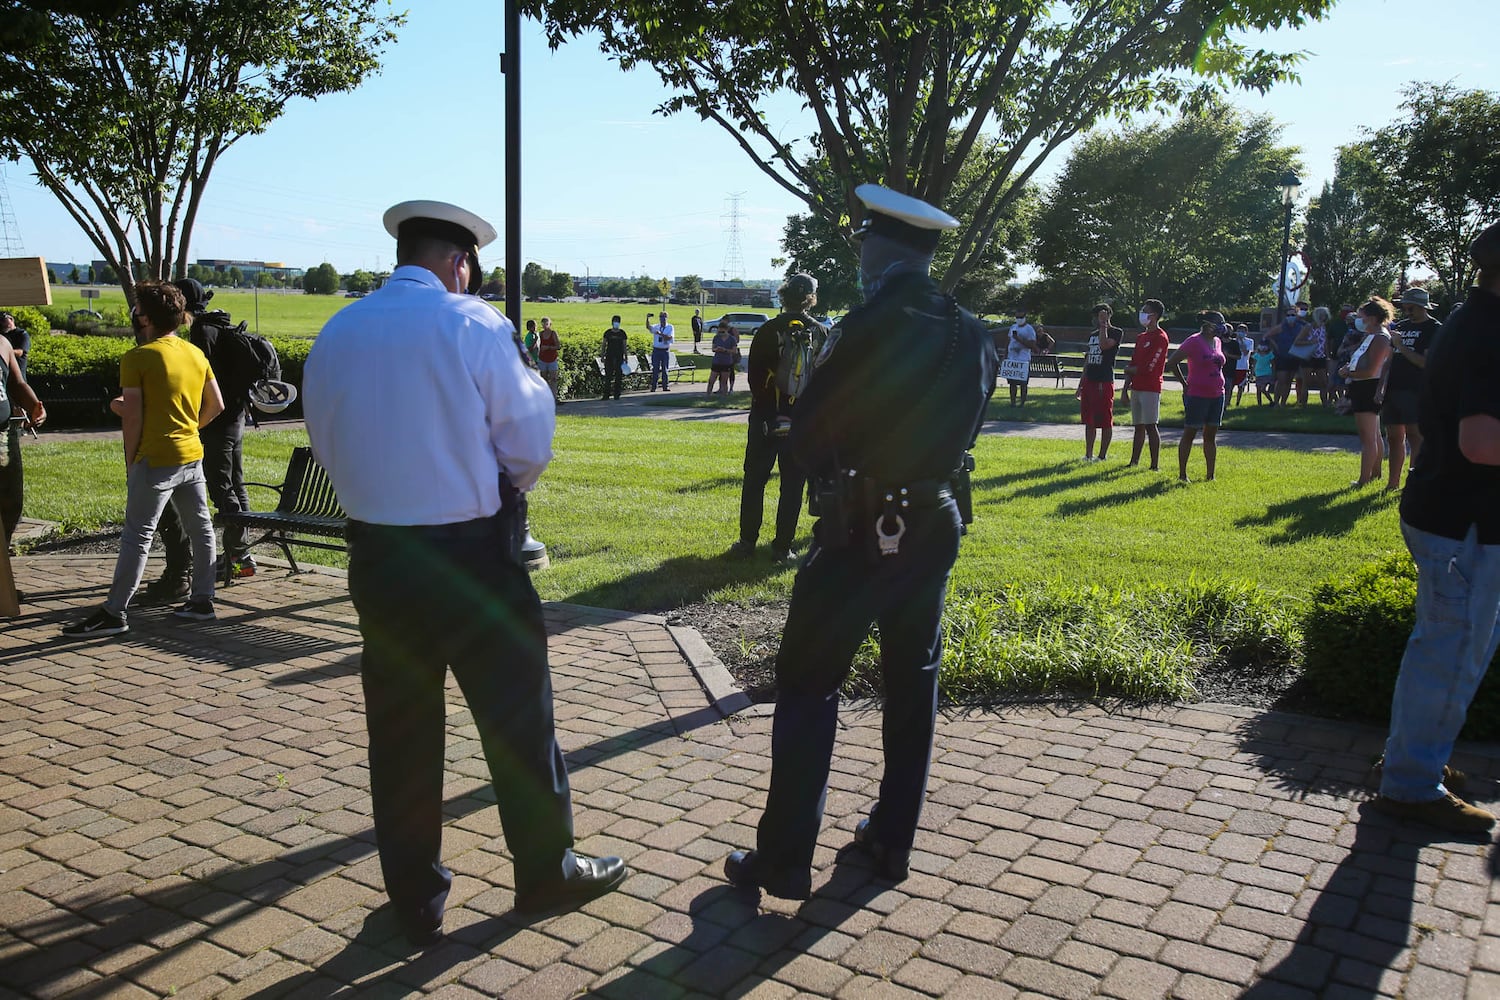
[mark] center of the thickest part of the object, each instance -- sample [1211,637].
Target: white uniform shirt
[661,336]
[1018,351]
[416,398]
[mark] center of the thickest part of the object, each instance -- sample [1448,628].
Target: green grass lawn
[297,315]
[636,514]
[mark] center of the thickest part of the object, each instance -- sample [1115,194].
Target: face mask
[616,324]
[1144,318]
[1301,313]
[1359,323]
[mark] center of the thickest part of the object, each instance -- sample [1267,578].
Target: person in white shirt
[661,349]
[1022,341]
[430,458]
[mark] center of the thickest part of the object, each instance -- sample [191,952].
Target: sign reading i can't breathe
[1018,370]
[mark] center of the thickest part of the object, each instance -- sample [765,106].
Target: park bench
[638,379]
[84,395]
[308,512]
[675,371]
[1047,366]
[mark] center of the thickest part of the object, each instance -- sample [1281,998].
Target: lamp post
[1290,185]
[533,552]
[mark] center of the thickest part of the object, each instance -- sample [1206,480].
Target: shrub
[1094,642]
[31,319]
[1356,628]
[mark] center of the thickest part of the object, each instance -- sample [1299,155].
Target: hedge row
[1355,634]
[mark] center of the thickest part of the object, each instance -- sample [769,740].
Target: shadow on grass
[1009,478]
[1113,501]
[1332,512]
[676,582]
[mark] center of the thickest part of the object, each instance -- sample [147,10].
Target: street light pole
[1290,185]
[533,552]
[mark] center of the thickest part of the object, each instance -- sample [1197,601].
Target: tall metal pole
[512,68]
[533,552]
[1286,252]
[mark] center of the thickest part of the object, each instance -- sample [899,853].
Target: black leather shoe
[745,870]
[422,935]
[592,877]
[889,864]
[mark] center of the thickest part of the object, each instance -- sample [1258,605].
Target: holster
[963,489]
[512,518]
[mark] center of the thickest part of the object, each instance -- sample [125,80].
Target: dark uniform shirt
[1417,337]
[899,389]
[1445,493]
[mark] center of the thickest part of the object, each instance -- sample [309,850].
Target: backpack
[239,358]
[799,344]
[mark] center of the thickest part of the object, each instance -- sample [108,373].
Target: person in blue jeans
[1450,517]
[661,349]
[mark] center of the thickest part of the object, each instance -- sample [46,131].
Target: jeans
[443,597]
[763,451]
[1451,646]
[147,492]
[658,367]
[224,477]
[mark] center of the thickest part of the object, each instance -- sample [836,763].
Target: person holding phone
[661,349]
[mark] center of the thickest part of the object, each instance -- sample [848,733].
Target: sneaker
[101,622]
[741,550]
[199,610]
[166,590]
[1453,779]
[241,569]
[781,555]
[1449,813]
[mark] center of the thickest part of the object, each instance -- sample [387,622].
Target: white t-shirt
[661,336]
[1247,348]
[1018,351]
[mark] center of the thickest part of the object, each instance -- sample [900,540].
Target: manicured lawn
[637,513]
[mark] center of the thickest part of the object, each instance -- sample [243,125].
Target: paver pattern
[185,812]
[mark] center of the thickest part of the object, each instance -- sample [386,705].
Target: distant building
[738,293]
[252,269]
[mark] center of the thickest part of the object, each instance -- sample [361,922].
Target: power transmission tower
[10,232]
[734,259]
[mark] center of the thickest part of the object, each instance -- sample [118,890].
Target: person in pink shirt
[1148,363]
[1202,389]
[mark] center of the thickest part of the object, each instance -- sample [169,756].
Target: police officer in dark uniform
[895,401]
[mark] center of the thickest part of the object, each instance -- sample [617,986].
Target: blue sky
[612,188]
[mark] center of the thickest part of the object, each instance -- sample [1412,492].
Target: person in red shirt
[548,346]
[1144,377]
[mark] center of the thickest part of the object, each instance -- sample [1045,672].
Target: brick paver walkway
[185,813]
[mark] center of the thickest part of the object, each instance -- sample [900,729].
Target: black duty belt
[483,527]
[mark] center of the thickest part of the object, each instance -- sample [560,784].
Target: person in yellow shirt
[168,393]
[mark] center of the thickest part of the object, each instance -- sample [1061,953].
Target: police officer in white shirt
[418,401]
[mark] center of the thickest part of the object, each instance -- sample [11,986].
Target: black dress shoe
[422,935]
[746,870]
[591,877]
[889,864]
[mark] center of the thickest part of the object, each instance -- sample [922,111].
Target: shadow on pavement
[209,895]
[733,946]
[1358,932]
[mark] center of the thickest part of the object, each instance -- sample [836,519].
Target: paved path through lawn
[185,812]
[656,407]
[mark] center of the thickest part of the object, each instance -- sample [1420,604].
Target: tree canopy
[123,109]
[1188,212]
[1439,174]
[1351,254]
[903,92]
